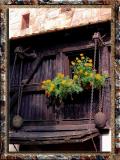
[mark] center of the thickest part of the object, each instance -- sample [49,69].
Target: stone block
[104,11]
[53,13]
[95,12]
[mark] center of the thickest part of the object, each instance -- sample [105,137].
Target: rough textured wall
[48,19]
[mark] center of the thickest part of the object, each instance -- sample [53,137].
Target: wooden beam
[82,46]
[57,128]
[52,141]
[49,135]
[51,138]
[37,123]
[28,88]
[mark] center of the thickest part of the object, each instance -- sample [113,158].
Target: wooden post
[105,67]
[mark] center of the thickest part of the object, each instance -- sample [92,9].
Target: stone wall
[43,20]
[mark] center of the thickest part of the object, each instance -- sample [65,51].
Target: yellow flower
[42,86]
[73,63]
[77,58]
[98,76]
[90,60]
[86,73]
[86,64]
[81,71]
[51,89]
[48,81]
[81,54]
[79,61]
[75,77]
[60,75]
[82,58]
[90,64]
[52,85]
[70,82]
[63,82]
[91,74]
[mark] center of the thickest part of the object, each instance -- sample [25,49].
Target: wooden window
[77,107]
[25,21]
[89,53]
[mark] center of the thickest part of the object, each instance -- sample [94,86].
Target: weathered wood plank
[76,139]
[48,135]
[36,65]
[52,122]
[82,46]
[59,67]
[65,64]
[57,128]
[54,137]
[105,60]
[28,88]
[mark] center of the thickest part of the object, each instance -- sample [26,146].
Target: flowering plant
[84,76]
[60,87]
[84,72]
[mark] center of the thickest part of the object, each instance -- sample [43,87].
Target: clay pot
[100,120]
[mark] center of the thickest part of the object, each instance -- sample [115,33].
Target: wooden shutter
[62,63]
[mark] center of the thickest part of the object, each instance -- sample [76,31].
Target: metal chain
[100,90]
[102,98]
[13,67]
[94,144]
[99,69]
[92,90]
[100,94]
[19,99]
[20,88]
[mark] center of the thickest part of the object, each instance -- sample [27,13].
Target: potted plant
[84,73]
[60,87]
[84,76]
